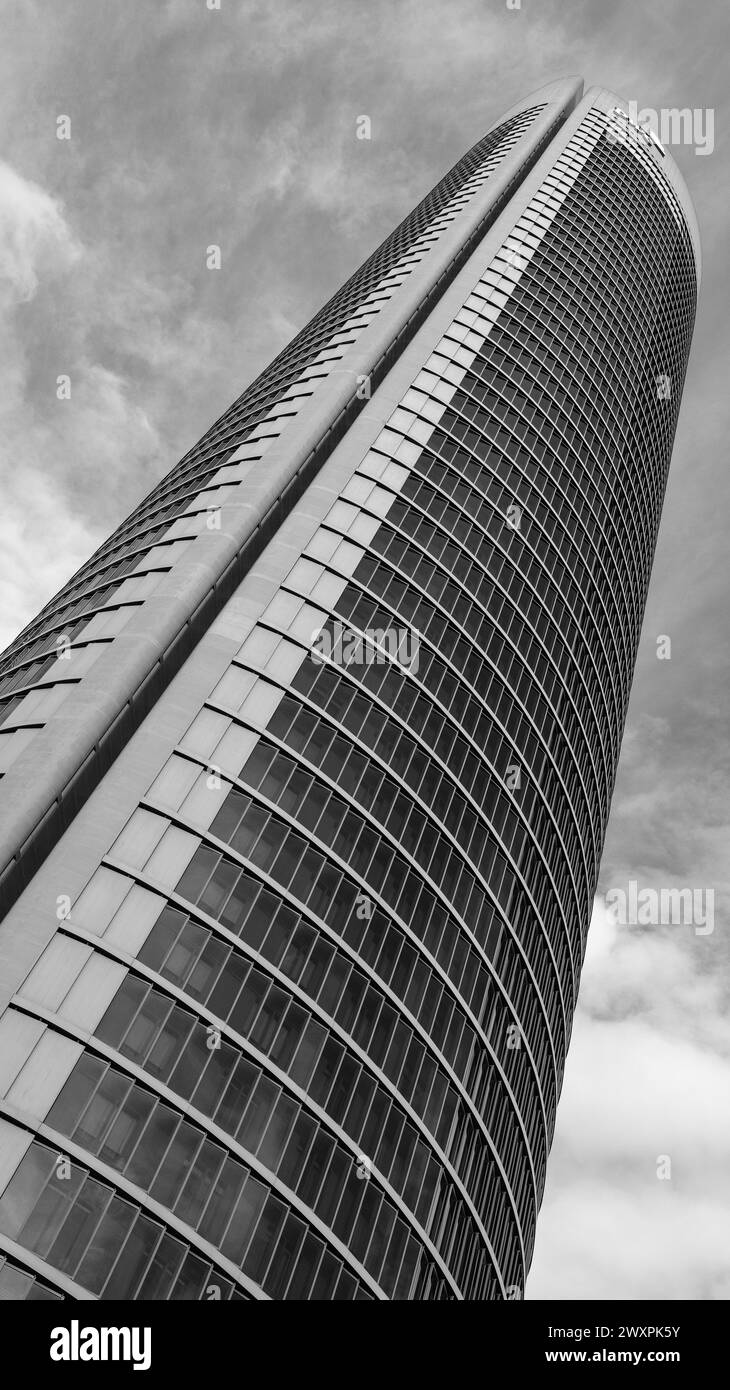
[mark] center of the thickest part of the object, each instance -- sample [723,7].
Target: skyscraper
[306,772]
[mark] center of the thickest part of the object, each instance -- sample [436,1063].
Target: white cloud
[34,236]
[56,452]
[608,1240]
[648,1075]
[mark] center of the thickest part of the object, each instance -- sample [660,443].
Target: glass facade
[301,1032]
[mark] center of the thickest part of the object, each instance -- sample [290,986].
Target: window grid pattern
[282,772]
[338,826]
[165,1154]
[237,1093]
[377,1028]
[18,1284]
[83,1227]
[469,978]
[305,1050]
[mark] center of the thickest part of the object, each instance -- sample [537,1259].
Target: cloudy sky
[191,126]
